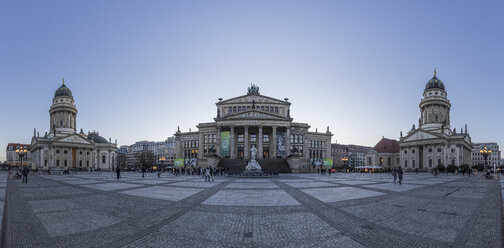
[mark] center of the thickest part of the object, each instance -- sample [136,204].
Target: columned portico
[246,146]
[232,137]
[260,142]
[273,142]
[287,142]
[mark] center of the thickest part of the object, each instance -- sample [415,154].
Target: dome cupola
[434,83]
[63,91]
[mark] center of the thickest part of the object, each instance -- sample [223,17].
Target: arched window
[381,161]
[103,159]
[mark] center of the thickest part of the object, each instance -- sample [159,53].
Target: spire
[63,81]
[434,71]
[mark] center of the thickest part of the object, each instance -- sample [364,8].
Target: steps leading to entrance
[267,165]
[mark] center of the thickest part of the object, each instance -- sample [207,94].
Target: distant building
[163,151]
[13,157]
[493,158]
[351,155]
[434,143]
[384,154]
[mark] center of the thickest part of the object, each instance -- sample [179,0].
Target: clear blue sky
[139,69]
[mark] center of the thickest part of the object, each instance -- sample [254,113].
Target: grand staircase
[268,165]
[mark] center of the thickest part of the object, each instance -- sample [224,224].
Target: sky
[138,69]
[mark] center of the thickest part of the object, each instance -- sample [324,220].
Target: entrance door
[241,153]
[265,151]
[74,157]
[420,157]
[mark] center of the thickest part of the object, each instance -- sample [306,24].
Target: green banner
[328,162]
[225,143]
[179,162]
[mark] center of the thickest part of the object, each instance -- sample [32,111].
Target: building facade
[254,120]
[434,143]
[162,151]
[493,158]
[63,147]
[384,154]
[349,155]
[12,157]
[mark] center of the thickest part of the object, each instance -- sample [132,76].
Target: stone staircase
[267,165]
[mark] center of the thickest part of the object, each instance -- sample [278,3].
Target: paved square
[251,198]
[340,193]
[252,186]
[393,187]
[195,184]
[111,186]
[312,184]
[163,193]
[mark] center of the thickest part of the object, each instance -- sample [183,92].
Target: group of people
[324,171]
[397,173]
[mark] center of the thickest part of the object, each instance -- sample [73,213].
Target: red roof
[387,146]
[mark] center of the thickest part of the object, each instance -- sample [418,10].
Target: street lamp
[485,152]
[21,152]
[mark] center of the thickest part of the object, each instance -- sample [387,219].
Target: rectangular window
[452,150]
[439,161]
[66,164]
[301,139]
[57,151]
[430,162]
[439,150]
[240,137]
[80,152]
[239,108]
[405,151]
[265,138]
[413,163]
[430,149]
[214,137]
[234,109]
[262,108]
[453,161]
[296,139]
[405,163]
[253,137]
[103,159]
[412,151]
[292,138]
[87,163]
[276,110]
[206,139]
[80,163]
[45,163]
[57,163]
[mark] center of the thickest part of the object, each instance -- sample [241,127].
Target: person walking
[399,174]
[394,174]
[143,172]
[118,172]
[25,174]
[207,174]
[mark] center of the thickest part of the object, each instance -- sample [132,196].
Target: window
[87,153]
[439,161]
[253,137]
[240,137]
[296,139]
[453,162]
[103,159]
[57,151]
[234,109]
[413,163]
[57,163]
[65,151]
[412,151]
[405,163]
[452,150]
[214,137]
[262,108]
[437,118]
[292,138]
[430,149]
[405,151]
[66,164]
[265,138]
[276,110]
[80,152]
[381,161]
[87,163]
[301,139]
[430,162]
[267,108]
[80,163]
[45,163]
[439,150]
[206,139]
[239,108]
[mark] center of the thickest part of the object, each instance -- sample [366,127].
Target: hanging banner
[328,162]
[225,143]
[281,149]
[179,162]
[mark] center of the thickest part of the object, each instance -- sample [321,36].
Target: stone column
[273,143]
[232,137]
[287,142]
[201,149]
[218,148]
[246,148]
[260,143]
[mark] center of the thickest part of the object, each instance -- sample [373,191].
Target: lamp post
[485,152]
[21,152]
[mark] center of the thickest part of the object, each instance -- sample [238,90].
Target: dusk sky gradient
[139,69]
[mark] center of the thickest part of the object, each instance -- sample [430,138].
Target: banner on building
[179,162]
[281,149]
[225,143]
[328,162]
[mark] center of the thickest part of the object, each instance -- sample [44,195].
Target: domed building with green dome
[433,142]
[63,147]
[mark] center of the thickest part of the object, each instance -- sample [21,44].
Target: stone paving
[298,210]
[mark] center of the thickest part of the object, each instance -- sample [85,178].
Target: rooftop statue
[253,89]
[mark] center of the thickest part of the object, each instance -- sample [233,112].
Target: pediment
[254,115]
[74,139]
[419,135]
[258,99]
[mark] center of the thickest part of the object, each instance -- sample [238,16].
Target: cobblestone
[307,210]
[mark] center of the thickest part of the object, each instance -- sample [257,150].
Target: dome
[96,138]
[63,91]
[434,83]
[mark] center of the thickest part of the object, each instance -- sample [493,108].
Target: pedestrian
[212,172]
[207,174]
[118,172]
[399,174]
[416,170]
[25,174]
[159,174]
[143,172]
[394,174]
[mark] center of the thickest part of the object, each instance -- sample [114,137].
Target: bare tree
[121,160]
[145,159]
